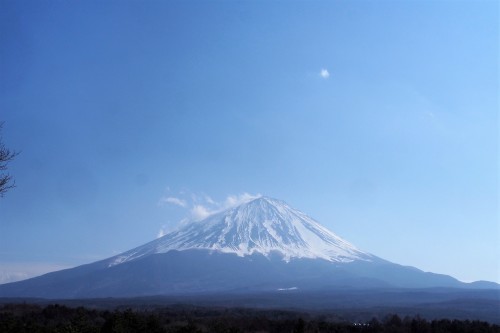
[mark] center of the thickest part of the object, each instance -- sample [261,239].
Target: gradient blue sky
[119,105]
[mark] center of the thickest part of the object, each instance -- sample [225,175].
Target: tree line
[56,318]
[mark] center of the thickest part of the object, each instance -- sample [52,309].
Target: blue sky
[378,119]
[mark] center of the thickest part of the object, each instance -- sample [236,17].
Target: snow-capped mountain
[262,245]
[260,226]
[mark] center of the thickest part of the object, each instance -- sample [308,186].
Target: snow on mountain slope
[263,225]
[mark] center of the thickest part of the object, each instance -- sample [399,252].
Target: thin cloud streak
[173,201]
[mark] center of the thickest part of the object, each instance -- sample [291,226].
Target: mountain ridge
[261,245]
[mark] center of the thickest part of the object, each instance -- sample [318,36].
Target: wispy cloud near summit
[209,207]
[173,201]
[201,206]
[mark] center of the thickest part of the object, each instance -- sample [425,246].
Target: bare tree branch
[6,155]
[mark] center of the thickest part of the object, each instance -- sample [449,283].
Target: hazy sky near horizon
[379,119]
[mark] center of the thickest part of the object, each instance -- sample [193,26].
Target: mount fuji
[259,246]
[261,226]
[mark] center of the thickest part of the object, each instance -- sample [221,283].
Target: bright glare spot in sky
[324,74]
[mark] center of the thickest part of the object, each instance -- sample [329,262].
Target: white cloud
[173,201]
[210,200]
[236,200]
[202,206]
[163,231]
[324,73]
[200,212]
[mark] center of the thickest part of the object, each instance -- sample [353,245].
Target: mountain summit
[260,226]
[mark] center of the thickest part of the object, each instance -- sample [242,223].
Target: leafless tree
[6,155]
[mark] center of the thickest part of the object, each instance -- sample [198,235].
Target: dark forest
[30,318]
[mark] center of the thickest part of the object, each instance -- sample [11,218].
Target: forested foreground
[58,318]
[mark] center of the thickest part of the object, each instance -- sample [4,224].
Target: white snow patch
[261,225]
